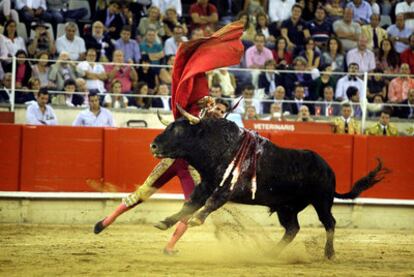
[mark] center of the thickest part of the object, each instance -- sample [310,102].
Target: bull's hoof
[162,225]
[195,222]
[99,227]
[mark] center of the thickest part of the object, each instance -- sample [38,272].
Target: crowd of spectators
[79,50]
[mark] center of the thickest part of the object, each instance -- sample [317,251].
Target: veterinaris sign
[303,127]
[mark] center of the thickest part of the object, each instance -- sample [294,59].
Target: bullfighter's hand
[206,102]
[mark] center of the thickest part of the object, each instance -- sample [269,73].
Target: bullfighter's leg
[161,174]
[220,196]
[288,218]
[188,178]
[197,200]
[323,208]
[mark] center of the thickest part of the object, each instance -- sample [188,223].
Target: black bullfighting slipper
[99,227]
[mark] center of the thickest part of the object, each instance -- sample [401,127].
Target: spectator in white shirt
[247,100]
[362,56]
[280,10]
[71,43]
[398,33]
[163,5]
[40,113]
[115,101]
[13,42]
[93,72]
[347,81]
[171,44]
[407,8]
[95,116]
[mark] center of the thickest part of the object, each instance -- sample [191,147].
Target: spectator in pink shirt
[119,71]
[258,54]
[399,86]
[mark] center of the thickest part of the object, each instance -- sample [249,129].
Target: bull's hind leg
[323,209]
[289,220]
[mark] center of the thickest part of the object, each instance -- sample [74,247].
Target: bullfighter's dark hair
[222,102]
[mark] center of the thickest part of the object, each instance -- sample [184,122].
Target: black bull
[288,180]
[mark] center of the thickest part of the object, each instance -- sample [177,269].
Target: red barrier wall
[10,139]
[128,160]
[38,158]
[397,155]
[60,158]
[335,149]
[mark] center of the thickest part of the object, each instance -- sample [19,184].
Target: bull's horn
[193,119]
[162,120]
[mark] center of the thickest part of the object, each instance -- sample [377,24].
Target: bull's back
[284,174]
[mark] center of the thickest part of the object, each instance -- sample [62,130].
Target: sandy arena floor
[211,250]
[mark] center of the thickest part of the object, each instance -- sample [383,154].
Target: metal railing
[363,99]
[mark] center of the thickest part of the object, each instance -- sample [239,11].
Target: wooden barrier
[75,159]
[60,158]
[337,152]
[6,117]
[397,155]
[10,141]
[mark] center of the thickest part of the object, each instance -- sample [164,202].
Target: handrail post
[12,96]
[364,102]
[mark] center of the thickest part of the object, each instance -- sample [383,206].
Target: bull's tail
[365,182]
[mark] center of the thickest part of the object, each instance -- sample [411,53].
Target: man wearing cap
[42,40]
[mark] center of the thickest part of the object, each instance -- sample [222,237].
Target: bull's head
[177,139]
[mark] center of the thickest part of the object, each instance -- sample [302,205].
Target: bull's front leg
[197,200]
[217,199]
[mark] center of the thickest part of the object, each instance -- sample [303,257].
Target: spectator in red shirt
[203,14]
[408,55]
